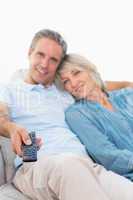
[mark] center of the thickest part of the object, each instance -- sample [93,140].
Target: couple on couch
[102,121]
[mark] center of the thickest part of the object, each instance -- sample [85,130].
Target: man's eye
[40,54]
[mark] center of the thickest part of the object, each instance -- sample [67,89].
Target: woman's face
[77,82]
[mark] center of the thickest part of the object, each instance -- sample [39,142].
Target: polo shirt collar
[31,87]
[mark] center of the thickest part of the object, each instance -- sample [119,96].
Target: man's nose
[45,62]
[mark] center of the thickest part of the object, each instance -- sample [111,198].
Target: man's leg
[64,177]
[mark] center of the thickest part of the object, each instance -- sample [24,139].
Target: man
[63,170]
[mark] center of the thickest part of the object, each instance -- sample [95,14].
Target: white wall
[102,30]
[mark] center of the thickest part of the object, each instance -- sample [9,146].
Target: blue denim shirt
[107,135]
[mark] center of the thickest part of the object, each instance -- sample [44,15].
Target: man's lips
[42,71]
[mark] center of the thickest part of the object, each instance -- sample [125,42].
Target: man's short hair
[53,35]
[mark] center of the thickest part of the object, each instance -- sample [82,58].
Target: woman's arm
[115,85]
[98,145]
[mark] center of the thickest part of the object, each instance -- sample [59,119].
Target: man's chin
[46,82]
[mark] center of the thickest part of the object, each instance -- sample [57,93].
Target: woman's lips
[79,89]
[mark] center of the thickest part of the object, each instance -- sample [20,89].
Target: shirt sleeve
[98,145]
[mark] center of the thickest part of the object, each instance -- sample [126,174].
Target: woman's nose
[73,83]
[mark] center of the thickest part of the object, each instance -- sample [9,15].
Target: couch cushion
[9,192]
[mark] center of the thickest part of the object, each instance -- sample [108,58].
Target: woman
[102,120]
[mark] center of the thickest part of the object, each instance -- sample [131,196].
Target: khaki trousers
[70,177]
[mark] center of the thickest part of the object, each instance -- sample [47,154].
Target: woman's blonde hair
[74,61]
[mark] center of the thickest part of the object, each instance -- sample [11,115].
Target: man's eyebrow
[41,53]
[55,58]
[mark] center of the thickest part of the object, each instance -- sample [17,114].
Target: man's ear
[30,52]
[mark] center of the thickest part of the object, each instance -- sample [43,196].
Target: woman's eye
[64,82]
[76,72]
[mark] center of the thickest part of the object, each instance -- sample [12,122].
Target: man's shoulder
[10,85]
[10,88]
[122,92]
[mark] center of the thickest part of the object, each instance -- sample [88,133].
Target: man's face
[44,60]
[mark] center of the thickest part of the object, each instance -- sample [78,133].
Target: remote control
[30,151]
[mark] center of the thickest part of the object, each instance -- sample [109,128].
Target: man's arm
[115,85]
[10,129]
[4,120]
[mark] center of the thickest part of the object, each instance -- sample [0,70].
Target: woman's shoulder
[76,106]
[82,107]
[76,112]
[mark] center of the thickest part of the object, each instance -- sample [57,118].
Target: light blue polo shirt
[41,109]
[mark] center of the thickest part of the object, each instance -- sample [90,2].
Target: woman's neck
[99,96]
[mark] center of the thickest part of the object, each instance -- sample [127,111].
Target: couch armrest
[2,171]
[7,156]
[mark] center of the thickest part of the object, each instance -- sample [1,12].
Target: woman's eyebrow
[63,78]
[74,70]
